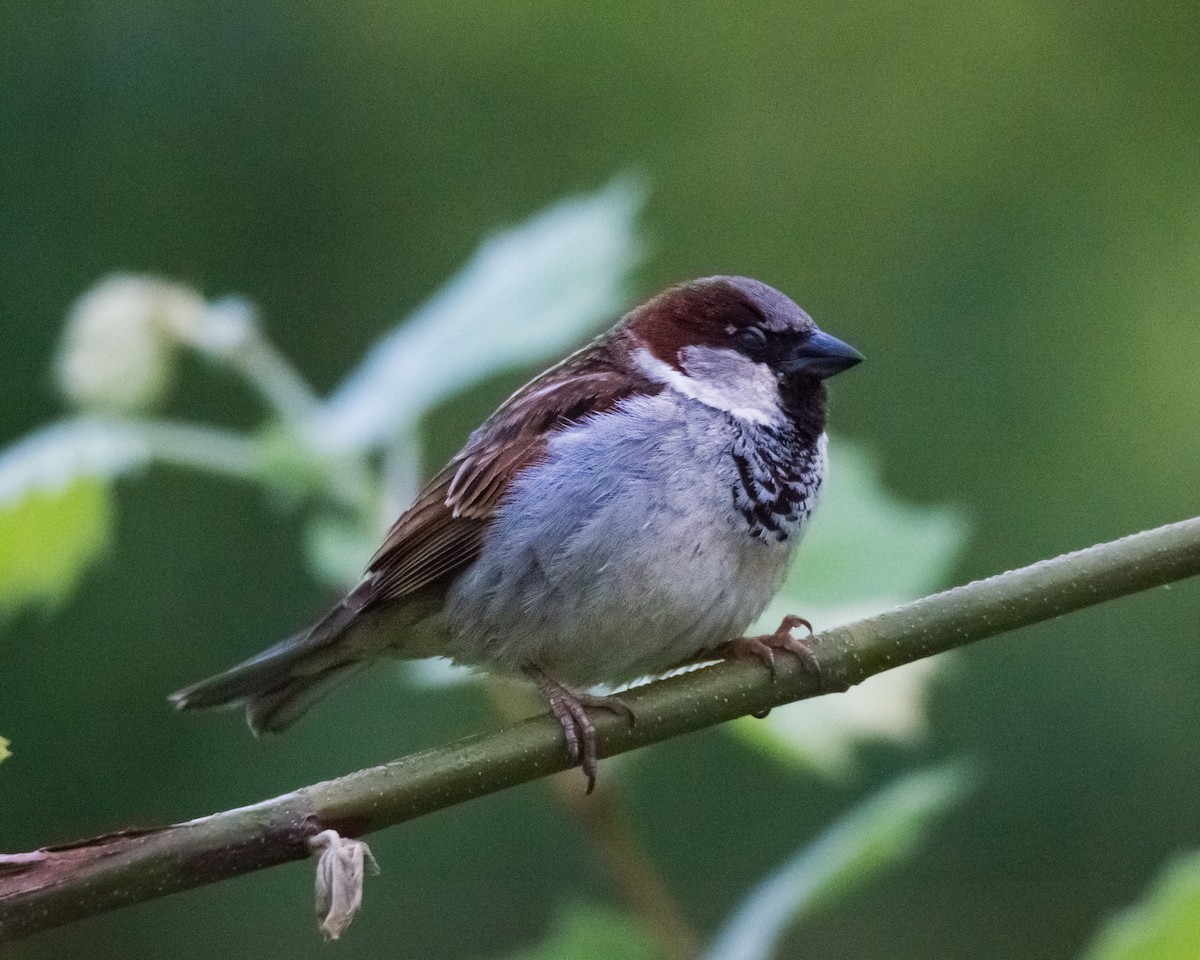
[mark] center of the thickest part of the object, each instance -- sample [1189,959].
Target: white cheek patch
[719,378]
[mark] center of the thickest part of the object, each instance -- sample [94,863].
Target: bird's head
[738,345]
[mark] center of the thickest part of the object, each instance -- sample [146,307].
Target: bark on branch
[58,885]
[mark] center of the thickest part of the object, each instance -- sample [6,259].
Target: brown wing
[443,531]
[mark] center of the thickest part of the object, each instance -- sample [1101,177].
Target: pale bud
[118,351]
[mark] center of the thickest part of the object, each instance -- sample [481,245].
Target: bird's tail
[283,681]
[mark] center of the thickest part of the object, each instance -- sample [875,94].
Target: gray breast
[634,544]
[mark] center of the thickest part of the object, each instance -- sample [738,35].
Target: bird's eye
[751,341]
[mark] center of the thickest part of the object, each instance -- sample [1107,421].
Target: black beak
[820,355]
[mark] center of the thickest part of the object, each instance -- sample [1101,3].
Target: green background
[996,203]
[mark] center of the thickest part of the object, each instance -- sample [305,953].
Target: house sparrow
[631,509]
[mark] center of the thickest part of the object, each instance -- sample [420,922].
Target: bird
[633,508]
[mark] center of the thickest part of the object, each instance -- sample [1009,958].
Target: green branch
[58,885]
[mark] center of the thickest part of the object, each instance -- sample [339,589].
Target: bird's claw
[764,646]
[570,708]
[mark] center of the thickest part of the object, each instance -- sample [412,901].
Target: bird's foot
[764,646]
[570,707]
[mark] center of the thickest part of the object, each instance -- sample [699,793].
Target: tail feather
[279,684]
[278,708]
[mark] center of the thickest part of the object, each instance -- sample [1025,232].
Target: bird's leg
[764,646]
[570,707]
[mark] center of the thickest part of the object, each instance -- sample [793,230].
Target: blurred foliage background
[997,204]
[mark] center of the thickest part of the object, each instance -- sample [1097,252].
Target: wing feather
[443,531]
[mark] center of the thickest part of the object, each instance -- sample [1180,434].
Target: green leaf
[878,835]
[288,465]
[528,294]
[1164,926]
[591,933]
[55,508]
[47,539]
[5,753]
